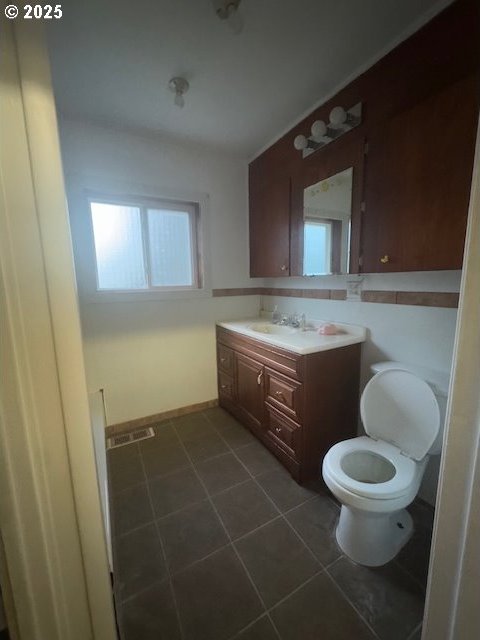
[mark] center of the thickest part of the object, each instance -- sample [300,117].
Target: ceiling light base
[179,86]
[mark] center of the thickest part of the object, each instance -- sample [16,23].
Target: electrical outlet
[354,288]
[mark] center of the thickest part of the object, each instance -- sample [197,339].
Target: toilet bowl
[375,477]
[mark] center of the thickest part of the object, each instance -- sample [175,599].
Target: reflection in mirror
[327,209]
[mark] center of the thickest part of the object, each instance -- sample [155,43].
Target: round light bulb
[338,116]
[300,143]
[319,129]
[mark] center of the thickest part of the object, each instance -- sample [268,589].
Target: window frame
[144,203]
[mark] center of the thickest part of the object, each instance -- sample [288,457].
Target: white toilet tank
[438,381]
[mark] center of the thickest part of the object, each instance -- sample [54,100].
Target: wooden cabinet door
[269,205]
[249,390]
[417,184]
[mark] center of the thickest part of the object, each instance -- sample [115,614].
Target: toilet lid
[400,408]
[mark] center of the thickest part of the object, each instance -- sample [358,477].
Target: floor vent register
[123,439]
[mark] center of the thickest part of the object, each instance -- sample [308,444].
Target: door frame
[452,611]
[51,527]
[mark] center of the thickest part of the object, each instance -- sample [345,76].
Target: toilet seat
[400,408]
[406,469]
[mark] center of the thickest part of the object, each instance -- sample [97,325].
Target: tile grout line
[228,534]
[231,543]
[281,601]
[347,599]
[418,627]
[142,591]
[306,545]
[282,514]
[414,578]
[162,546]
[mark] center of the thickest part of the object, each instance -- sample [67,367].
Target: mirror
[327,210]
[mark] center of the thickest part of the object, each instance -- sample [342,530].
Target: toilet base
[372,539]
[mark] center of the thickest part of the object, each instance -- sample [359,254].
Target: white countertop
[296,340]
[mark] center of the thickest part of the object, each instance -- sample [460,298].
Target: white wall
[411,334]
[156,355]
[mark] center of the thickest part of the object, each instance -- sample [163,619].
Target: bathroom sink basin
[296,340]
[272,329]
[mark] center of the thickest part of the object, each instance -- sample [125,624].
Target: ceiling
[112,60]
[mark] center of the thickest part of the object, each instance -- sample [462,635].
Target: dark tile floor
[213,540]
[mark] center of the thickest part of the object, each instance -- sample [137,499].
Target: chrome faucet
[291,321]
[294,321]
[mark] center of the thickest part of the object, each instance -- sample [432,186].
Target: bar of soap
[327,329]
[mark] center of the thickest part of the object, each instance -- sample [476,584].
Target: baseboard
[138,423]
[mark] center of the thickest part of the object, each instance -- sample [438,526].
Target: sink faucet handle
[293,320]
[303,322]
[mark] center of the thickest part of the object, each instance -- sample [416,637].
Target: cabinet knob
[283,267]
[278,430]
[384,259]
[280,396]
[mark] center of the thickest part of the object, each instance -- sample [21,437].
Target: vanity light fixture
[340,121]
[228,10]
[179,86]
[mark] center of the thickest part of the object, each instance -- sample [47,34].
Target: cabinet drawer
[284,432]
[225,385]
[225,359]
[283,393]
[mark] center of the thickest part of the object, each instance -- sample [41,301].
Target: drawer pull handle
[222,360]
[385,259]
[224,386]
[280,396]
[259,378]
[278,429]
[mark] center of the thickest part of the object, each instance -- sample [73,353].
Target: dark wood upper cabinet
[417,184]
[419,117]
[269,199]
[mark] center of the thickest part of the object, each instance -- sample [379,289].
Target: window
[317,242]
[145,245]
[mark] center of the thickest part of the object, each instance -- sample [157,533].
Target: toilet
[377,475]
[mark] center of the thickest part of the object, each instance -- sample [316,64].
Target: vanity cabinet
[297,405]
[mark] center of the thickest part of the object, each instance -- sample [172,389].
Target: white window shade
[117,231]
[170,246]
